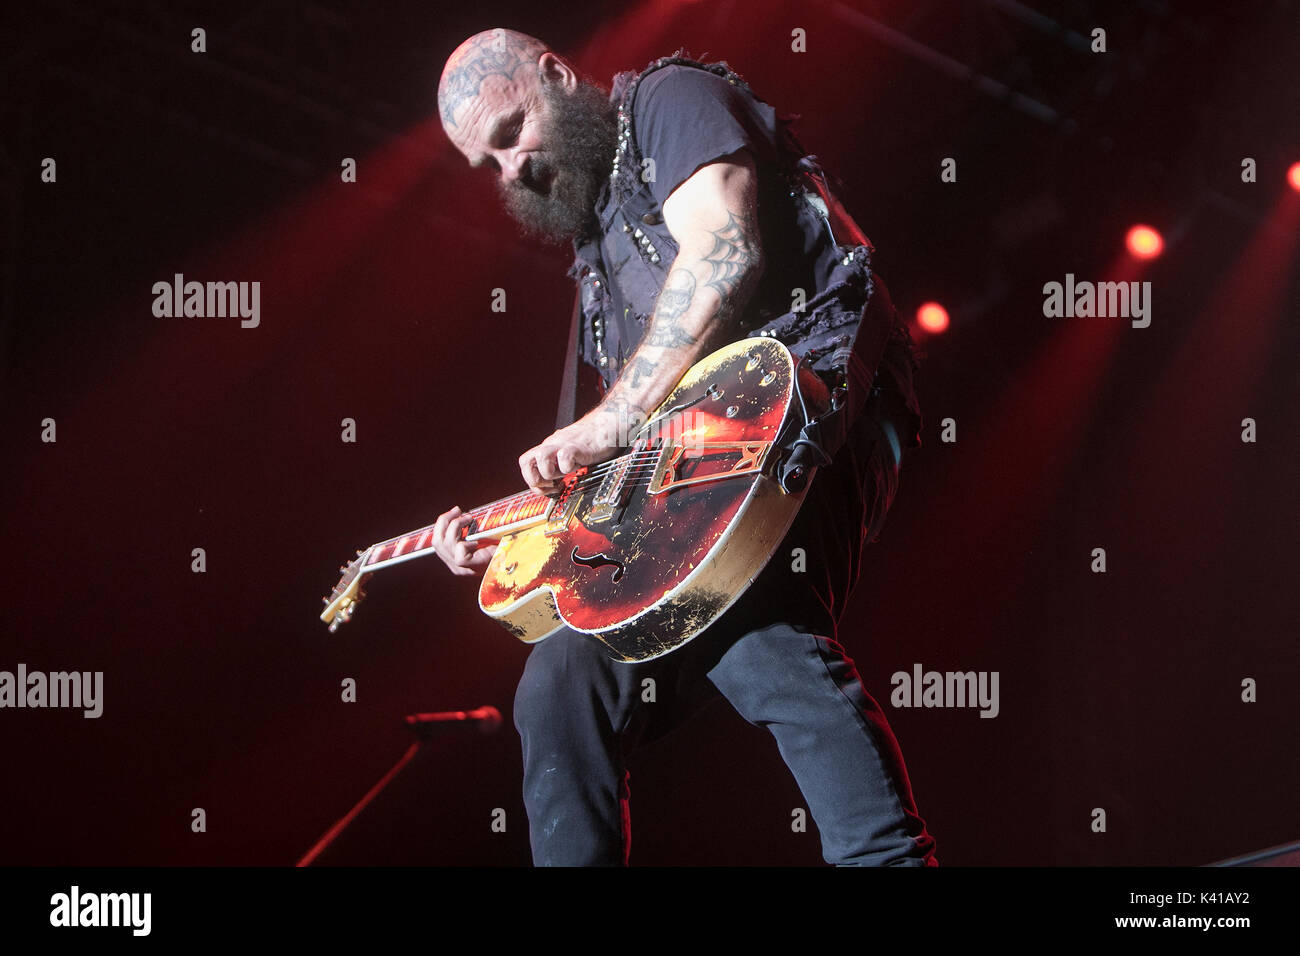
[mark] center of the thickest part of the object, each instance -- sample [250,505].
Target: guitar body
[649,555]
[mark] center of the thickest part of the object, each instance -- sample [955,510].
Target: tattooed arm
[713,216]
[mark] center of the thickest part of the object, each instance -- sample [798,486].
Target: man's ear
[554,69]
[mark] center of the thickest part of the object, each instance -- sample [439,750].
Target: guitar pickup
[609,497]
[566,505]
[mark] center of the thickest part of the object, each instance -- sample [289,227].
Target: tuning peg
[342,568]
[360,553]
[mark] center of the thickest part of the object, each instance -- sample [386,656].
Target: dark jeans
[579,713]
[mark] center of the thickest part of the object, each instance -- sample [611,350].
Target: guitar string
[640,469]
[506,502]
[593,477]
[629,461]
[640,464]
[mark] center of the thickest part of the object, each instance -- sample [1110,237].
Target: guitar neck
[491,522]
[494,521]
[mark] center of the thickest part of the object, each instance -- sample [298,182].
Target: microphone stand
[423,726]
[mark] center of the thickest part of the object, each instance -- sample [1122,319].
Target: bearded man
[696,220]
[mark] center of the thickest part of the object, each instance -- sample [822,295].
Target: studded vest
[621,272]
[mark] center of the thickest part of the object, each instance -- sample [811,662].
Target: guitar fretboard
[490,517]
[508,511]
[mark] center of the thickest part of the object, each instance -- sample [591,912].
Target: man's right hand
[462,557]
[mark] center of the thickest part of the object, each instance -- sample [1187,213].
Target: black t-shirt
[685,118]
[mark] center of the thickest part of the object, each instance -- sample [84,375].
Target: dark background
[1118,690]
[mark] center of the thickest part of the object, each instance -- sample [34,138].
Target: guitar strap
[567,412]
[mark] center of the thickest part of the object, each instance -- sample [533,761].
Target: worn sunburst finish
[696,520]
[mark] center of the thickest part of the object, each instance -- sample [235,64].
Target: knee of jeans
[755,672]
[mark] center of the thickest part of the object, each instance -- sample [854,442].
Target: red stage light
[1144,242]
[1293,176]
[932,317]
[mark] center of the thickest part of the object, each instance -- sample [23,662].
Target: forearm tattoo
[639,368]
[729,268]
[674,300]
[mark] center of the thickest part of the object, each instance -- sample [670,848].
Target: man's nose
[514,165]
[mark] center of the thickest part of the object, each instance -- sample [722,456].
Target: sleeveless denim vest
[620,273]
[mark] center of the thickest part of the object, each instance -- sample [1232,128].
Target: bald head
[494,63]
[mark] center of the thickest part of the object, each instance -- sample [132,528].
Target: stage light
[932,317]
[1144,242]
[1293,176]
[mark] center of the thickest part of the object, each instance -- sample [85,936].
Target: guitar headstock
[347,594]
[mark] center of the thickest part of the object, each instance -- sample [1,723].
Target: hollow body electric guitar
[645,551]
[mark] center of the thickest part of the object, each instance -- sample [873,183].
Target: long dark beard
[580,135]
